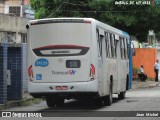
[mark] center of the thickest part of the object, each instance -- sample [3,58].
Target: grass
[150,79]
[27,102]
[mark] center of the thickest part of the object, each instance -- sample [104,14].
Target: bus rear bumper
[74,89]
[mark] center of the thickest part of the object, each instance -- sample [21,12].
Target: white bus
[77,58]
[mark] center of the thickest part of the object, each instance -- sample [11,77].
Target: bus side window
[111,44]
[127,48]
[98,42]
[115,46]
[121,47]
[124,47]
[107,44]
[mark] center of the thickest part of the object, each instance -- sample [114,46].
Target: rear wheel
[122,95]
[59,102]
[51,102]
[98,101]
[108,99]
[54,102]
[127,83]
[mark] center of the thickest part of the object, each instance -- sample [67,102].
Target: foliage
[27,102]
[135,19]
[135,71]
[158,36]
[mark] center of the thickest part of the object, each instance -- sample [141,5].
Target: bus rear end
[59,64]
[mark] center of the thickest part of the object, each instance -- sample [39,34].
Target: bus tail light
[87,21]
[92,72]
[30,73]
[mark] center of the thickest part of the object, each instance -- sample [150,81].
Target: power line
[65,3]
[103,11]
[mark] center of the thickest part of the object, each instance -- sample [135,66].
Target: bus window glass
[107,44]
[121,48]
[127,45]
[124,47]
[111,44]
[115,45]
[100,45]
[98,42]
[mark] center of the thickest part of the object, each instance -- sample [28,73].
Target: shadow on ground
[80,105]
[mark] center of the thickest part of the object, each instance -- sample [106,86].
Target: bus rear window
[60,34]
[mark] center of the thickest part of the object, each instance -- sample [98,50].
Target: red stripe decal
[61,47]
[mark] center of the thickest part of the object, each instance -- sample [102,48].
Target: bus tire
[108,99]
[98,101]
[122,95]
[59,102]
[51,102]
[127,83]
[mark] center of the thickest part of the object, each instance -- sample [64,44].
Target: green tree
[158,36]
[135,19]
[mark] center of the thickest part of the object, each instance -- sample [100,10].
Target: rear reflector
[30,73]
[29,70]
[87,21]
[92,72]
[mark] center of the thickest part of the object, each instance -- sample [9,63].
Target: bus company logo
[72,72]
[42,62]
[60,51]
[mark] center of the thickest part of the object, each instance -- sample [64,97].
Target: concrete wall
[13,24]
[147,58]
[15,27]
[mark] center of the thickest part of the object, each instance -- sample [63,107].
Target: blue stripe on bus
[125,33]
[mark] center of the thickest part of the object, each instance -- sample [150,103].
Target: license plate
[73,64]
[61,87]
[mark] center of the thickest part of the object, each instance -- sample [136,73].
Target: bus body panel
[90,86]
[57,72]
[56,44]
[112,71]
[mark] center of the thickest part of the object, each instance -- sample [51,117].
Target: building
[19,8]
[28,12]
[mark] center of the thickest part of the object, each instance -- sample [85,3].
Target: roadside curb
[150,85]
[11,104]
[138,84]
